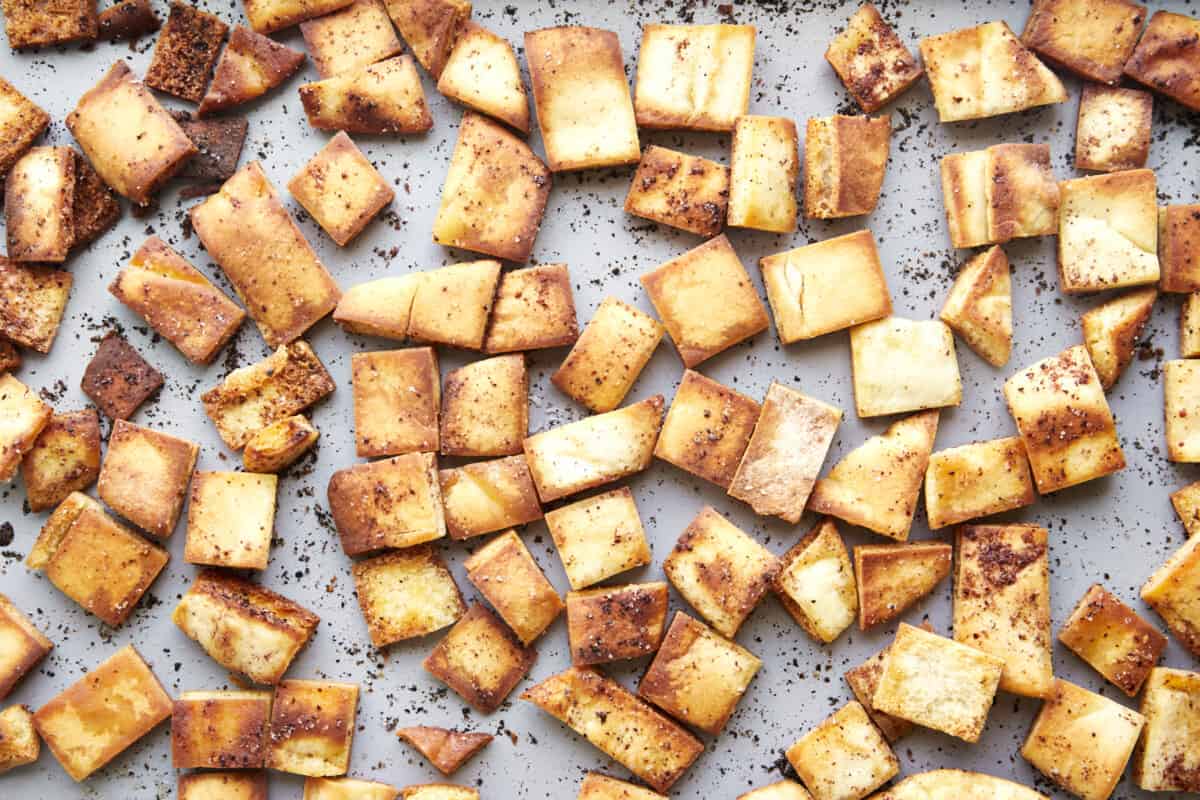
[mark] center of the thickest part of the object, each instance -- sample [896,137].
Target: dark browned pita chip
[128,19]
[251,66]
[186,51]
[10,356]
[96,207]
[219,142]
[446,749]
[36,23]
[118,379]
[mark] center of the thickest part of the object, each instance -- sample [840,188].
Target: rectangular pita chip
[483,74]
[38,23]
[250,66]
[268,16]
[177,301]
[312,727]
[231,519]
[284,383]
[438,791]
[23,646]
[95,207]
[102,714]
[249,233]
[145,476]
[1181,379]
[871,60]
[19,742]
[480,659]
[614,623]
[764,165]
[1168,756]
[680,190]
[573,68]
[1002,602]
[504,572]
[451,305]
[488,496]
[595,450]
[430,28]
[1108,232]
[1165,58]
[622,726]
[127,19]
[352,37]
[1113,129]
[243,626]
[341,189]
[1189,326]
[131,140]
[39,203]
[397,397]
[694,77]
[845,756]
[598,537]
[609,355]
[220,729]
[1179,248]
[385,99]
[845,158]
[706,429]
[534,309]
[64,459]
[393,503]
[903,365]
[21,122]
[23,416]
[977,480]
[1064,418]
[406,593]
[185,52]
[1113,639]
[485,411]
[1092,38]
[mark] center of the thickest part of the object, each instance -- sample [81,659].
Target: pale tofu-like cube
[32,302]
[452,304]
[397,398]
[485,408]
[1092,38]
[102,714]
[534,310]
[480,659]
[693,77]
[220,730]
[598,537]
[340,187]
[1165,58]
[482,73]
[1059,406]
[707,429]
[1108,232]
[1174,592]
[1002,602]
[352,37]
[19,742]
[1113,131]
[1082,741]
[816,584]
[1168,757]
[979,306]
[1181,382]
[609,355]
[764,166]
[231,519]
[893,577]
[781,462]
[698,676]
[1179,248]
[874,65]
[619,724]
[614,623]
[876,485]
[1111,330]
[145,476]
[679,190]
[384,99]
[682,290]
[23,646]
[487,496]
[595,450]
[845,757]
[977,480]
[938,683]
[312,727]
[903,365]
[573,68]
[985,71]
[243,626]
[825,287]
[844,163]
[504,572]
[39,197]
[720,571]
[223,785]
[23,417]
[1113,639]
[406,593]
[395,502]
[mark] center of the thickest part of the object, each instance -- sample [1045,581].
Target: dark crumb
[6,534]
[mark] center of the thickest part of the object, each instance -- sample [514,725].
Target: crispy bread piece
[56,527]
[395,502]
[1174,592]
[680,190]
[827,286]
[1167,758]
[694,77]
[243,626]
[601,787]
[1179,248]
[876,485]
[682,291]
[707,429]
[95,208]
[764,166]
[341,189]
[397,396]
[185,52]
[99,716]
[177,301]
[406,593]
[720,570]
[348,789]
[39,205]
[268,16]
[613,623]
[117,379]
[506,575]
[619,724]
[350,38]
[127,19]
[1113,639]
[573,68]
[252,397]
[445,749]
[19,742]
[903,365]
[64,459]
[1059,406]
[609,355]
[595,450]
[892,577]
[495,192]
[430,28]
[534,309]
[780,790]
[480,659]
[1181,381]
[1092,38]
[250,66]
[816,585]
[145,476]
[231,519]
[958,784]
[864,679]
[223,785]
[452,304]
[872,62]
[985,71]
[312,727]
[979,306]
[1113,131]
[598,537]
[438,791]
[1165,58]
[380,307]
[249,233]
[1082,741]
[1186,502]
[24,646]
[488,496]
[482,73]
[1022,197]
[1110,331]
[844,162]
[219,142]
[1189,326]
[275,447]
[221,729]
[845,757]
[964,192]
[37,23]
[977,480]
[133,142]
[21,122]
[1108,232]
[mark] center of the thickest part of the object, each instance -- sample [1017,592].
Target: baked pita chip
[250,66]
[979,306]
[1110,331]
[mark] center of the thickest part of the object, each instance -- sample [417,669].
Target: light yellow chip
[406,593]
[231,519]
[482,73]
[341,189]
[19,742]
[1174,592]
[534,310]
[23,415]
[488,496]
[816,583]
[957,784]
[1186,502]
[1181,383]
[780,790]
[39,197]
[903,365]
[347,789]
[964,192]
[977,480]
[1108,232]
[1168,758]
[845,757]
[397,398]
[979,306]
[452,304]
[601,787]
[598,537]
[764,166]
[312,727]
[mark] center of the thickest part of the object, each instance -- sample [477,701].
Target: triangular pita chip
[482,73]
[876,485]
[430,27]
[251,66]
[1111,329]
[446,749]
[979,307]
[383,99]
[891,577]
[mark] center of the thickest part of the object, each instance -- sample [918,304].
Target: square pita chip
[485,410]
[23,417]
[1113,639]
[1108,232]
[707,429]
[487,496]
[534,310]
[231,519]
[391,503]
[1113,131]
[816,583]
[451,305]
[598,537]
[312,727]
[406,593]
[341,189]
[504,572]
[64,459]
[609,355]
[397,397]
[352,37]
[145,476]
[1092,38]
[185,52]
[844,757]
[483,74]
[903,365]
[872,62]
[21,122]
[480,659]
[977,480]
[117,379]
[614,623]
[680,190]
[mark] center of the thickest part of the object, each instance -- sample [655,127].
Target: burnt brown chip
[37,23]
[128,19]
[186,51]
[118,379]
[96,207]
[10,356]
[219,142]
[251,66]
